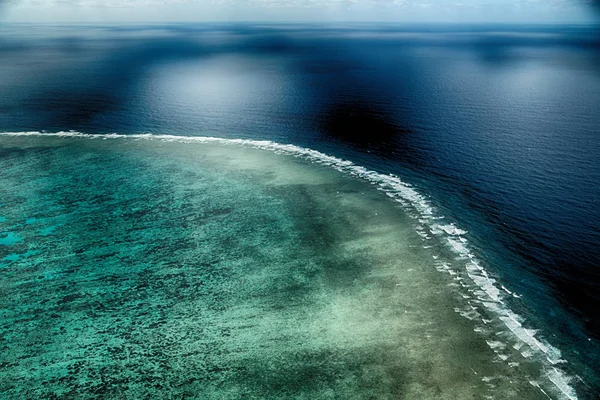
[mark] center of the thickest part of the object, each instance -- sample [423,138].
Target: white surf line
[490,294]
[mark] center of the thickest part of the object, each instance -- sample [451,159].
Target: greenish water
[149,269]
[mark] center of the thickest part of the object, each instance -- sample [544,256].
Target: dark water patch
[359,124]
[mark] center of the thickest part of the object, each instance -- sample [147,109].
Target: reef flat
[135,268]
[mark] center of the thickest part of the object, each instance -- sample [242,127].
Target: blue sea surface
[497,125]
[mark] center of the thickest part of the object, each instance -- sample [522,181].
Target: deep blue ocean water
[498,125]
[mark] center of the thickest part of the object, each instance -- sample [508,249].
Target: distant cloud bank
[302,10]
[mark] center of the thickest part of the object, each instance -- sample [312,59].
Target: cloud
[305,3]
[97,3]
[545,11]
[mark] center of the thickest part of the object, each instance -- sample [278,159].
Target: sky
[483,11]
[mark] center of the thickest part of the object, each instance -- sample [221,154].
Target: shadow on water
[359,124]
[94,93]
[105,87]
[595,4]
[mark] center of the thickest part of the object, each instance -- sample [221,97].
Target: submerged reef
[135,268]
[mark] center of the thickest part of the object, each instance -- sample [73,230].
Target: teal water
[137,268]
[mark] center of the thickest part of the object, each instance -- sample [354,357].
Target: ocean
[485,137]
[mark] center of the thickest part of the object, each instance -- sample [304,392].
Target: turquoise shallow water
[138,268]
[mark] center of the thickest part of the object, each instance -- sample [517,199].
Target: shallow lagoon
[136,268]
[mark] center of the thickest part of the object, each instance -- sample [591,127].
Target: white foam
[449,229]
[418,207]
[495,344]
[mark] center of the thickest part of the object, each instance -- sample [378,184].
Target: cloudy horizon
[483,11]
